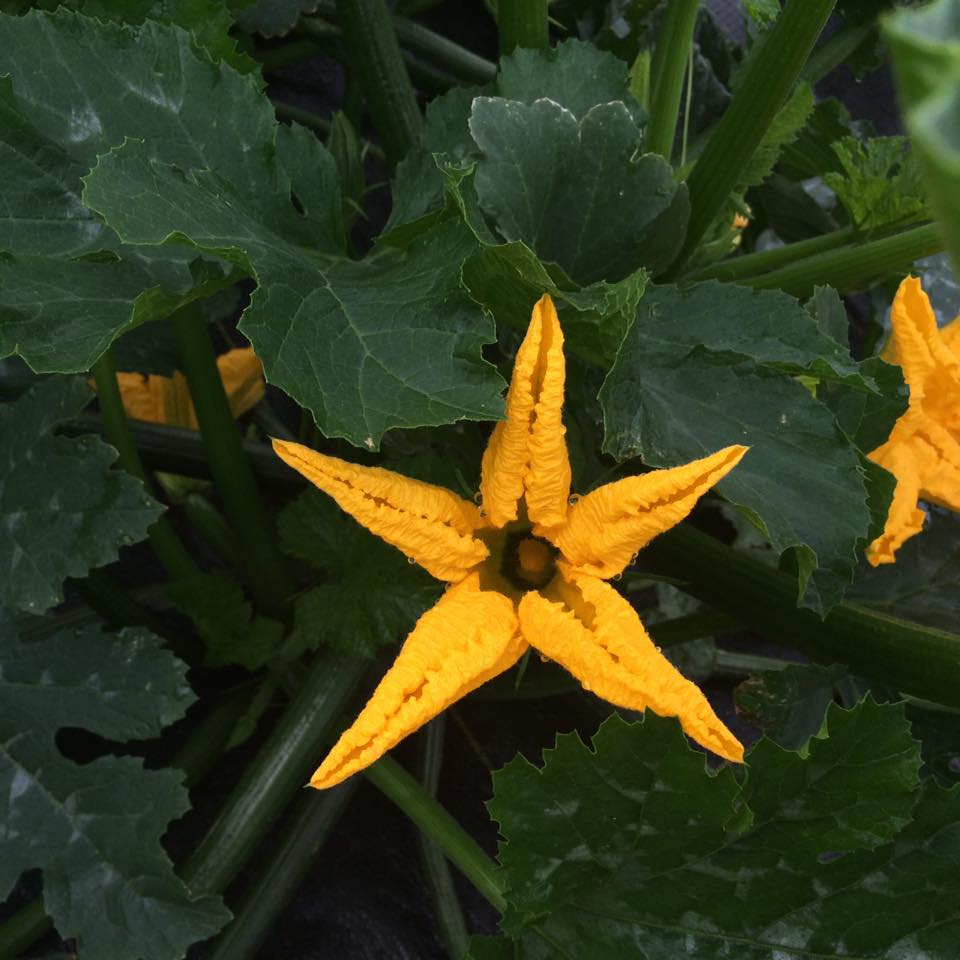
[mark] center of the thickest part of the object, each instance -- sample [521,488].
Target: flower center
[528,561]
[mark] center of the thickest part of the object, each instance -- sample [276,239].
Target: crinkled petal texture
[242,375]
[608,526]
[526,455]
[467,638]
[925,459]
[594,633]
[917,344]
[430,524]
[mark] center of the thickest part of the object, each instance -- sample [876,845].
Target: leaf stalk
[265,566]
[670,62]
[773,70]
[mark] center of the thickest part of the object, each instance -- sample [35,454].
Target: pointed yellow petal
[593,632]
[429,524]
[463,641]
[608,526]
[242,376]
[924,457]
[904,517]
[527,452]
[917,344]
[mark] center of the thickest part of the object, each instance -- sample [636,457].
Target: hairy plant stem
[264,564]
[449,915]
[278,770]
[163,539]
[836,49]
[762,261]
[522,23]
[376,61]
[282,876]
[853,267]
[23,929]
[670,61]
[918,660]
[461,849]
[770,76]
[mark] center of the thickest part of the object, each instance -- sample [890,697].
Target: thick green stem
[670,60]
[770,77]
[180,451]
[163,539]
[836,50]
[461,849]
[443,53]
[915,659]
[449,916]
[278,881]
[732,663]
[852,268]
[263,562]
[376,61]
[23,929]
[522,23]
[209,739]
[753,264]
[433,47]
[279,769]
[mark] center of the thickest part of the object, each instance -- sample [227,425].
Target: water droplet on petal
[618,576]
[573,498]
[544,659]
[411,561]
[659,649]
[483,512]
[478,497]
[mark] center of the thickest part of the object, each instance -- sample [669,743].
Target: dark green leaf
[701,369]
[924,584]
[868,418]
[346,339]
[789,705]
[370,595]
[581,198]
[225,620]
[95,829]
[64,511]
[829,314]
[71,287]
[274,18]
[573,74]
[208,20]
[632,850]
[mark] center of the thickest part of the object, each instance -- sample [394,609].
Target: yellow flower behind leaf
[166,400]
[527,570]
[923,449]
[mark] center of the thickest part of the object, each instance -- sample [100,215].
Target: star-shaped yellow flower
[923,449]
[160,399]
[525,570]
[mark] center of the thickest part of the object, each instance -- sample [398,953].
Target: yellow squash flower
[525,570]
[923,449]
[167,399]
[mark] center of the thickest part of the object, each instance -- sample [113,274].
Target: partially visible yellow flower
[526,570]
[740,222]
[167,399]
[923,449]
